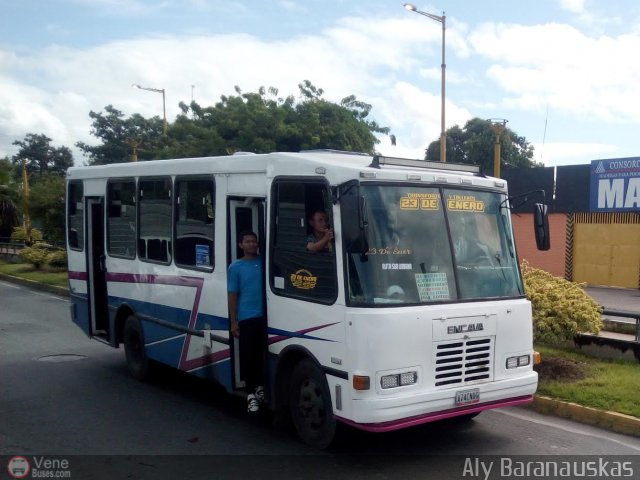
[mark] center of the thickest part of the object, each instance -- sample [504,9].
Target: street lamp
[442,19]
[164,110]
[499,125]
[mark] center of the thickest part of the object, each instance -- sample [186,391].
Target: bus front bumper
[386,414]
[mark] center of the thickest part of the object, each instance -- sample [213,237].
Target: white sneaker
[253,404]
[259,393]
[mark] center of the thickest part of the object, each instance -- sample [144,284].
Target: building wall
[553,260]
[606,249]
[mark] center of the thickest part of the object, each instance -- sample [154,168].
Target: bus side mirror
[354,223]
[541,226]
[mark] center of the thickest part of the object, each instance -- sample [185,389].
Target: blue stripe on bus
[179,316]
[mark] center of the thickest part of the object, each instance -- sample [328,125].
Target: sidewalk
[616,298]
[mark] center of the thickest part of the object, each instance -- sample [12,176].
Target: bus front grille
[463,362]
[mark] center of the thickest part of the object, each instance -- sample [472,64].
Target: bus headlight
[518,361]
[399,379]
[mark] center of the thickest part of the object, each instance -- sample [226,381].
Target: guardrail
[625,314]
[11,248]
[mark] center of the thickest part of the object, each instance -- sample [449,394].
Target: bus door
[96,282]
[245,213]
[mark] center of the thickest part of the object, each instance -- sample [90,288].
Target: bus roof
[336,166]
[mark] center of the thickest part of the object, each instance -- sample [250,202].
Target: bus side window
[121,218]
[295,271]
[154,200]
[194,225]
[75,216]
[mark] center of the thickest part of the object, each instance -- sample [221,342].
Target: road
[63,394]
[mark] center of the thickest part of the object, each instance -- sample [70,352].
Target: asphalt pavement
[627,299]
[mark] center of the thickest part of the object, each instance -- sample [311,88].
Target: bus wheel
[137,360]
[310,404]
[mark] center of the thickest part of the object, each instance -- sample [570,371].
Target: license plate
[467,397]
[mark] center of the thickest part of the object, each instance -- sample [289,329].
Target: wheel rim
[311,408]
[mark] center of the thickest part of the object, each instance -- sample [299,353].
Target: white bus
[417,313]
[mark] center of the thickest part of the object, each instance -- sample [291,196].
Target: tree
[41,157]
[474,144]
[46,203]
[258,122]
[121,137]
[8,199]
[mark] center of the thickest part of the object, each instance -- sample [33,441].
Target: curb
[61,291]
[617,422]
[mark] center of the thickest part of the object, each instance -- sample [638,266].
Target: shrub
[19,234]
[560,308]
[35,255]
[57,259]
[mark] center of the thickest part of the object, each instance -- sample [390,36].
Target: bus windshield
[431,245]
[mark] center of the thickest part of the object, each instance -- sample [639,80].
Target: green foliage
[7,171]
[20,235]
[258,122]
[8,199]
[560,308]
[121,136]
[41,157]
[47,205]
[57,258]
[474,144]
[35,255]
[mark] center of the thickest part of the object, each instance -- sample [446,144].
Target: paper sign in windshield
[432,286]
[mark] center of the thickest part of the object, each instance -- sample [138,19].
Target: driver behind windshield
[466,245]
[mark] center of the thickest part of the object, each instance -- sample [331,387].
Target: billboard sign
[615,185]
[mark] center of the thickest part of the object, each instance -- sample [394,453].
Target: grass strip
[23,270]
[604,384]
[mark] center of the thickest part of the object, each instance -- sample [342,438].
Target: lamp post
[164,110]
[441,19]
[499,125]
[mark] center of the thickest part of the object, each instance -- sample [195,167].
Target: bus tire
[310,405]
[137,362]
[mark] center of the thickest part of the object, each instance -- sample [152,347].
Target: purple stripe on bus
[77,275]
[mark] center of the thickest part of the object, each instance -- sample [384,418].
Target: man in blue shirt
[245,287]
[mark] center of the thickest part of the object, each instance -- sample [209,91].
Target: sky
[565,74]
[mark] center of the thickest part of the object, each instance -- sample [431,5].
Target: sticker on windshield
[465,203]
[432,286]
[303,279]
[420,201]
[397,266]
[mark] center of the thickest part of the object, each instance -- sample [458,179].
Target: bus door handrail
[180,328]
